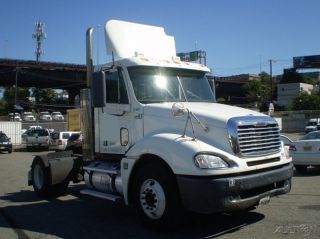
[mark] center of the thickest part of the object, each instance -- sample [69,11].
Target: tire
[155,197]
[301,168]
[41,181]
[9,151]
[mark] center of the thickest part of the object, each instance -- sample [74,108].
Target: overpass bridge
[28,73]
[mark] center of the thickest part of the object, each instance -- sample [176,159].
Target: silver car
[28,116]
[57,116]
[45,116]
[306,151]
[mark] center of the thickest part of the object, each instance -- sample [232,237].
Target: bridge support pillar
[73,96]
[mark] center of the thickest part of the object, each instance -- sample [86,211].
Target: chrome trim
[251,136]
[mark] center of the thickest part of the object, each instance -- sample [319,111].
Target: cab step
[103,168]
[106,196]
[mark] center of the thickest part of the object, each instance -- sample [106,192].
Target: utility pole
[271,82]
[39,35]
[16,89]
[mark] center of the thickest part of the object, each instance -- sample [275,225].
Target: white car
[37,138]
[306,151]
[59,140]
[312,125]
[28,116]
[15,117]
[57,116]
[45,116]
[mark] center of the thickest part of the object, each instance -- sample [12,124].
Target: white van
[59,140]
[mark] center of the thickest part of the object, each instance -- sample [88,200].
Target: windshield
[38,132]
[158,84]
[311,135]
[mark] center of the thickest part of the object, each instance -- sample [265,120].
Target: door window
[115,88]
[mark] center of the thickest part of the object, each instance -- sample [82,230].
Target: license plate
[1,147]
[264,201]
[307,148]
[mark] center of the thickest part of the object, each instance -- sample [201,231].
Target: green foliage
[9,97]
[258,91]
[306,102]
[47,96]
[221,100]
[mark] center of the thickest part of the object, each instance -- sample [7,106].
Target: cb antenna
[39,35]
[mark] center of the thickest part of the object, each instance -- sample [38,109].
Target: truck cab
[160,141]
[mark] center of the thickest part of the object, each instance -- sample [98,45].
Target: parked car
[286,142]
[74,143]
[15,117]
[45,116]
[59,140]
[57,116]
[37,138]
[5,143]
[28,116]
[306,151]
[35,127]
[24,134]
[312,125]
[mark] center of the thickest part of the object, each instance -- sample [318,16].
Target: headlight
[208,161]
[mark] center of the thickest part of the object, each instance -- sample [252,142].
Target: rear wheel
[156,197]
[42,181]
[301,168]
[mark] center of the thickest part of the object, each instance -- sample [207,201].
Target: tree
[9,97]
[258,91]
[306,102]
[47,96]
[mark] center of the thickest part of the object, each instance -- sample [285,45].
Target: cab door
[113,121]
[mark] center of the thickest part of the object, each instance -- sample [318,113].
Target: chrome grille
[254,136]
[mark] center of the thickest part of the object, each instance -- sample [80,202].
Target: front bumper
[5,147]
[220,194]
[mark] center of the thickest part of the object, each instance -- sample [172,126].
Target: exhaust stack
[86,104]
[89,56]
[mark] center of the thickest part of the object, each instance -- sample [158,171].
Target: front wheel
[42,183]
[156,197]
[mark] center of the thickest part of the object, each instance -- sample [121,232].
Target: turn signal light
[292,148]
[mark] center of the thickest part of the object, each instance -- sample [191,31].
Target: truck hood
[213,114]
[159,118]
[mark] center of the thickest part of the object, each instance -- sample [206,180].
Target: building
[230,88]
[287,92]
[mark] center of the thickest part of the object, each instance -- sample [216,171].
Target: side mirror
[99,89]
[178,109]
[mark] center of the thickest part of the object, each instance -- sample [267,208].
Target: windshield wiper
[183,92]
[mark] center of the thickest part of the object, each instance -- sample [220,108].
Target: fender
[177,151]
[59,163]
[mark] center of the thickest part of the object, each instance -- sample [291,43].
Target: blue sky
[237,35]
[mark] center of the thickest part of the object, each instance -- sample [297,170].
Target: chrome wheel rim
[152,199]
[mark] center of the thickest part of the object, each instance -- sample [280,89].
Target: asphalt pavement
[23,215]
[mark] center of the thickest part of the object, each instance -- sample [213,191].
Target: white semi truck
[155,138]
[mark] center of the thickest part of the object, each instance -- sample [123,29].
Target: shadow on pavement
[77,216]
[311,171]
